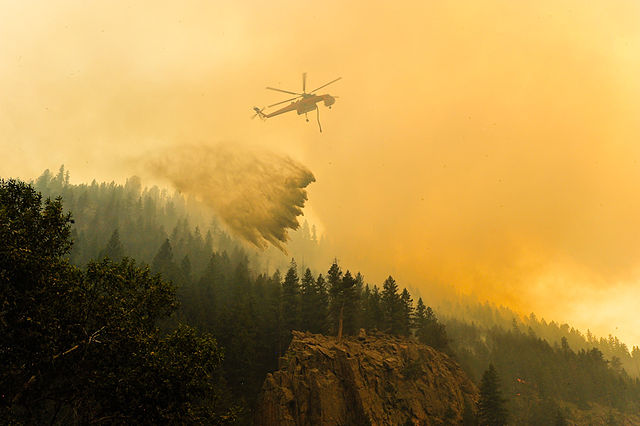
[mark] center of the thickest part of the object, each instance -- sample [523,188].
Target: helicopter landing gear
[318,116]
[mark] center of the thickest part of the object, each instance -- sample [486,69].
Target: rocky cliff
[369,379]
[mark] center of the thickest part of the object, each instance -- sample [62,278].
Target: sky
[487,147]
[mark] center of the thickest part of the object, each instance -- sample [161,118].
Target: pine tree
[350,298]
[433,333]
[469,417]
[291,298]
[322,307]
[420,314]
[491,405]
[359,302]
[313,302]
[163,261]
[113,249]
[185,268]
[336,309]
[391,307]
[308,299]
[374,313]
[342,301]
[406,304]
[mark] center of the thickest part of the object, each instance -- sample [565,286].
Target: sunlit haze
[487,147]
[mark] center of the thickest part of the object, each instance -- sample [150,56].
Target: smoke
[257,194]
[489,146]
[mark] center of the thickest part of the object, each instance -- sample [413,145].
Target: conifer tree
[374,313]
[391,307]
[359,302]
[313,303]
[291,298]
[349,297]
[342,300]
[432,332]
[420,314]
[469,417]
[406,304]
[113,249]
[336,310]
[185,268]
[323,305]
[308,299]
[491,405]
[163,261]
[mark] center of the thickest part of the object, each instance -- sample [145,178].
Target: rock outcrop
[365,380]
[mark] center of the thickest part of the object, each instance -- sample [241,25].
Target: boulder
[365,380]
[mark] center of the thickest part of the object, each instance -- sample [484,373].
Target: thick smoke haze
[490,147]
[257,194]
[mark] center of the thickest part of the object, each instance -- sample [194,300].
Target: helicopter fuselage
[306,104]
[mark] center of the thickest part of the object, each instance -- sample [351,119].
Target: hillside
[231,291]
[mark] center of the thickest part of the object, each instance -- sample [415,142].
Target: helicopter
[302,103]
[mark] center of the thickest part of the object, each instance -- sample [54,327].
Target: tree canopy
[82,346]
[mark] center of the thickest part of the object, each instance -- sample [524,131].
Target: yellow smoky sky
[490,147]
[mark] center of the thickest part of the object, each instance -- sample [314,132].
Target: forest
[124,303]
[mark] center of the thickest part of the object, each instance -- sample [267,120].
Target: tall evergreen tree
[291,298]
[323,305]
[391,307]
[374,316]
[308,299]
[420,314]
[432,332]
[336,308]
[163,261]
[113,249]
[406,304]
[350,297]
[342,300]
[313,303]
[185,269]
[491,405]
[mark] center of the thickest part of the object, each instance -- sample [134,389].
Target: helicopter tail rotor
[259,113]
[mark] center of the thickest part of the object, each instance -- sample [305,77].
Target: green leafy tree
[491,405]
[82,347]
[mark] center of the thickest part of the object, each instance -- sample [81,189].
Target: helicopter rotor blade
[285,91]
[325,85]
[281,102]
[304,82]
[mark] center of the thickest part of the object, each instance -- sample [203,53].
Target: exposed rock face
[375,379]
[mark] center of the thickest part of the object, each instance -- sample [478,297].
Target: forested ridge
[234,303]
